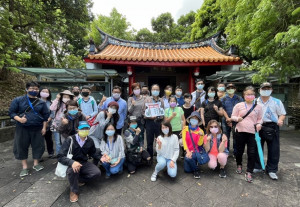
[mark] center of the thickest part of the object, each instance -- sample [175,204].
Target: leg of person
[119,131]
[186,166]
[131,167]
[49,143]
[240,147]
[273,155]
[224,128]
[161,164]
[21,145]
[172,172]
[150,136]
[146,156]
[38,148]
[142,127]
[212,164]
[118,168]
[74,187]
[251,154]
[222,159]
[106,166]
[57,142]
[88,171]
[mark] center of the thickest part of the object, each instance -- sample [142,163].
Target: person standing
[247,114]
[273,117]
[87,104]
[221,90]
[153,123]
[228,103]
[187,107]
[76,92]
[198,96]
[179,97]
[168,92]
[116,96]
[31,115]
[45,95]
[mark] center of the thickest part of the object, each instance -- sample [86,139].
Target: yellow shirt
[185,132]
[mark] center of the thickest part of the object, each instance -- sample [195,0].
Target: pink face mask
[249,97]
[173,104]
[44,95]
[214,130]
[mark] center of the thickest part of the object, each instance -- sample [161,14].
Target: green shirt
[176,121]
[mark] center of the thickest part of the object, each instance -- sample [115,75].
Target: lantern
[129,71]
[196,71]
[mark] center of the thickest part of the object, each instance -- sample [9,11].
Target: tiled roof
[198,54]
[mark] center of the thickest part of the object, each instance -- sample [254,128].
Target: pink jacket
[247,125]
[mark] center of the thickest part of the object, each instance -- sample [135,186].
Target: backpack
[80,101]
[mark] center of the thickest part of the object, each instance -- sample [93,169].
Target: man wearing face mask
[80,170]
[76,92]
[179,96]
[87,103]
[116,96]
[273,117]
[228,102]
[31,115]
[198,96]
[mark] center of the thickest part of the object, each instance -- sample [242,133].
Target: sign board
[154,109]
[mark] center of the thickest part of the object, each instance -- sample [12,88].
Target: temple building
[162,63]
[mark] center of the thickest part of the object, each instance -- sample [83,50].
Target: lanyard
[263,102]
[247,107]
[110,149]
[169,111]
[30,104]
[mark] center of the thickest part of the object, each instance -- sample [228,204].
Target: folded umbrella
[259,148]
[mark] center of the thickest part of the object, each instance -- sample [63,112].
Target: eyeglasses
[213,127]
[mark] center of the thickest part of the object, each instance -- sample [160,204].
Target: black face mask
[76,93]
[85,94]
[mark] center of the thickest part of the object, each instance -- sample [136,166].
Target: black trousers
[119,131]
[131,166]
[243,138]
[152,131]
[49,142]
[24,137]
[88,171]
[273,150]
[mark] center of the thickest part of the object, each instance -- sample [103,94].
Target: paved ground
[44,189]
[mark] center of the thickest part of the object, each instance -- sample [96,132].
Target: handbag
[201,154]
[61,170]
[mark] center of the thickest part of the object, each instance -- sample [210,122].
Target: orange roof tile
[196,54]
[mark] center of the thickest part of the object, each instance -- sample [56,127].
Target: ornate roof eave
[110,40]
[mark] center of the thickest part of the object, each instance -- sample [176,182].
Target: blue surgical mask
[155,93]
[221,88]
[134,126]
[33,93]
[200,86]
[178,93]
[265,92]
[194,122]
[165,131]
[73,112]
[211,95]
[116,95]
[110,132]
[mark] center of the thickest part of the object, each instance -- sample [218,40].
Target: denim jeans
[190,164]
[162,163]
[113,170]
[57,141]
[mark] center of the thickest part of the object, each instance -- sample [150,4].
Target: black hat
[266,84]
[230,85]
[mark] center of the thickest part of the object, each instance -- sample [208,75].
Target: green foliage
[73,62]
[144,35]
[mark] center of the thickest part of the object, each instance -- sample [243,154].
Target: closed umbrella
[259,148]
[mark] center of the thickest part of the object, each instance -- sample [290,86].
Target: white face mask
[265,92]
[65,100]
[165,131]
[112,110]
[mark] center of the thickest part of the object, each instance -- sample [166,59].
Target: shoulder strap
[250,110]
[202,94]
[191,136]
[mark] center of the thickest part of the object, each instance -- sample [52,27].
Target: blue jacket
[20,104]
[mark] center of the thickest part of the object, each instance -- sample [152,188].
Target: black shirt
[187,112]
[209,111]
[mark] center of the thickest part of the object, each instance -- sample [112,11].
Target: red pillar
[191,80]
[131,77]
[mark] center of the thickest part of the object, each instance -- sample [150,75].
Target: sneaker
[257,170]
[197,174]
[248,177]
[50,155]
[153,177]
[38,167]
[239,169]
[24,172]
[73,197]
[273,176]
[222,173]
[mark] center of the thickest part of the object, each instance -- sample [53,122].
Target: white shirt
[169,147]
[194,95]
[272,109]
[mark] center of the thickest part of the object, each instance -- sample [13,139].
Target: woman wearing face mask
[211,108]
[247,114]
[112,148]
[136,103]
[221,90]
[70,120]
[45,95]
[59,106]
[168,93]
[109,115]
[215,145]
[192,131]
[179,96]
[167,147]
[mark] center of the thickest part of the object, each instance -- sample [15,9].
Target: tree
[115,25]
[144,35]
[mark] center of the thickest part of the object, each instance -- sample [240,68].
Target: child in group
[87,103]
[215,144]
[135,153]
[167,147]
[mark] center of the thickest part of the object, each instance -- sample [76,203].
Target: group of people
[190,126]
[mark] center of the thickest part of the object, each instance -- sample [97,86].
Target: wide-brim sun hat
[67,92]
[195,114]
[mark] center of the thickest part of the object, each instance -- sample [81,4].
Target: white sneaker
[153,177]
[273,176]
[257,170]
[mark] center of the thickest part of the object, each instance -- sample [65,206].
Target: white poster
[154,109]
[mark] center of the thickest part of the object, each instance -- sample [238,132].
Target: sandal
[239,169]
[248,177]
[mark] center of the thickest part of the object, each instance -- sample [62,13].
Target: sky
[140,12]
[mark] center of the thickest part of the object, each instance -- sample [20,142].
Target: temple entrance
[162,81]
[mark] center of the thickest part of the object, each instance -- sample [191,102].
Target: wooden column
[131,77]
[191,80]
